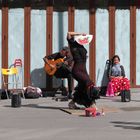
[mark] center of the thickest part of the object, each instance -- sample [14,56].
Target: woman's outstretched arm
[71,34]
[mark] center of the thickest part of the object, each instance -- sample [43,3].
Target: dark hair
[115,56]
[65,48]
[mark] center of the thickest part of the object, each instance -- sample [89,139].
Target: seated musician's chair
[61,92]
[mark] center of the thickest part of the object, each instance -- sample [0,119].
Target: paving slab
[43,119]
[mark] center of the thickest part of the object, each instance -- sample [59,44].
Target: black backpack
[32,93]
[105,78]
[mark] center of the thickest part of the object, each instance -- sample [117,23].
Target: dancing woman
[85,92]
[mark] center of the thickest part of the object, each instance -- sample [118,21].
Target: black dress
[85,92]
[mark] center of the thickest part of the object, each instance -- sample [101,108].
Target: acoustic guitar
[52,65]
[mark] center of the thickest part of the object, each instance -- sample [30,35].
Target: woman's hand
[71,34]
[84,34]
[52,66]
[65,62]
[120,77]
[74,33]
[111,77]
[117,77]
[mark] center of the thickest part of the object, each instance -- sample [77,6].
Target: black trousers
[64,72]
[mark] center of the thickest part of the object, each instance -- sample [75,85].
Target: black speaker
[16,100]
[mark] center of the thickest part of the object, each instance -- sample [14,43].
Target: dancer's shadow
[40,107]
[44,107]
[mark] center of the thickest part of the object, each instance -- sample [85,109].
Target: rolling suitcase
[125,96]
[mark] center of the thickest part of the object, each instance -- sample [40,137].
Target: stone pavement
[42,119]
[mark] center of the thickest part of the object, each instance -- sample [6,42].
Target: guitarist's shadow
[39,78]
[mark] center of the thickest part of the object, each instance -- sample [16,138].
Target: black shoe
[72,105]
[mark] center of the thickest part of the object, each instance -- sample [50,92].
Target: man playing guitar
[62,68]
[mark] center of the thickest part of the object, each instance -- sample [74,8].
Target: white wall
[60,29]
[102,43]
[38,47]
[138,47]
[122,35]
[16,37]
